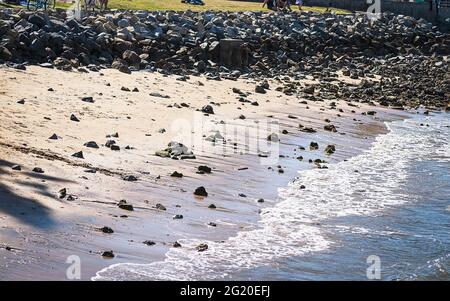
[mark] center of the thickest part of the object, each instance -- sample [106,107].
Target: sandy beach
[40,230]
[211,145]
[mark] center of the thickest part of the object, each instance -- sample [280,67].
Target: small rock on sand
[89,99]
[160,207]
[156,94]
[201,191]
[130,178]
[110,143]
[273,137]
[207,109]
[330,149]
[176,150]
[313,146]
[306,129]
[62,193]
[330,128]
[38,170]
[106,230]
[260,89]
[78,155]
[125,206]
[215,137]
[108,254]
[202,169]
[53,137]
[176,174]
[202,247]
[91,144]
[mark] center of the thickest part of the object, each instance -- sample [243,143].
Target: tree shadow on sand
[27,210]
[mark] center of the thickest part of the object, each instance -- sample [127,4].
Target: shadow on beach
[28,211]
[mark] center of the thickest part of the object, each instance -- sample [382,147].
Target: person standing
[270,4]
[283,5]
[299,3]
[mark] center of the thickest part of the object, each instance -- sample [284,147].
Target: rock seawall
[409,55]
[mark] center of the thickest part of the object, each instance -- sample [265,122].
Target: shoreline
[53,232]
[125,133]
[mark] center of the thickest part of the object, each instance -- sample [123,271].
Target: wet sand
[39,230]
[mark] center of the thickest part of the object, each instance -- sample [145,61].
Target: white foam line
[292,226]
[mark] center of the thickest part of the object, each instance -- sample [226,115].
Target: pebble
[313,146]
[38,170]
[53,137]
[330,149]
[89,99]
[106,230]
[62,193]
[202,247]
[108,254]
[130,178]
[208,109]
[202,169]
[176,174]
[201,191]
[160,207]
[91,144]
[78,155]
[125,206]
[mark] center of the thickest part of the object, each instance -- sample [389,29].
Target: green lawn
[58,5]
[222,5]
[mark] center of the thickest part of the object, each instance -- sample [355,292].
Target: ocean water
[392,202]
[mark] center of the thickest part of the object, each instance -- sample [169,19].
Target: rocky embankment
[403,61]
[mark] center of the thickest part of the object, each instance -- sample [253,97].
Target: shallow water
[392,201]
